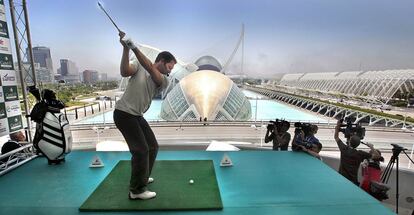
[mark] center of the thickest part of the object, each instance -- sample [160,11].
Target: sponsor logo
[10,93]
[2,2]
[13,108]
[6,61]
[8,77]
[15,123]
[3,44]
[3,29]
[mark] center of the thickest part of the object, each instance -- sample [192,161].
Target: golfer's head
[165,62]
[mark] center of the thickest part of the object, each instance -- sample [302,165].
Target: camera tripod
[396,150]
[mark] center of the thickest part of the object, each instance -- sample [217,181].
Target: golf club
[103,9]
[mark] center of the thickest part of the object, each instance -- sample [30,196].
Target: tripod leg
[387,172]
[396,189]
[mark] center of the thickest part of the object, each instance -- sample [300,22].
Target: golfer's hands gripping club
[126,42]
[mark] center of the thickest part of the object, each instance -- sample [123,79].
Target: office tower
[90,76]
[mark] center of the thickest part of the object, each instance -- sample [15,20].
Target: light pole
[255,113]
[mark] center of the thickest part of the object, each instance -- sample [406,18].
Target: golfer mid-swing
[146,80]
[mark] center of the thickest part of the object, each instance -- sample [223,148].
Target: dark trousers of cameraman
[142,145]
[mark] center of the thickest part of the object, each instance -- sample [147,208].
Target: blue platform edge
[259,182]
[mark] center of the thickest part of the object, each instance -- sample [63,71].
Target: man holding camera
[351,158]
[305,140]
[278,133]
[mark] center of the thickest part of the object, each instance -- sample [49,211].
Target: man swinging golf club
[146,80]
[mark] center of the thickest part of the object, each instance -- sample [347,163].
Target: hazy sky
[280,36]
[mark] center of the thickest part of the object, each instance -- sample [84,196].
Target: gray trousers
[142,145]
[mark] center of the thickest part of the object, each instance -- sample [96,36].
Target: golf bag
[53,137]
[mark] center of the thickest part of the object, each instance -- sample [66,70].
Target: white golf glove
[129,43]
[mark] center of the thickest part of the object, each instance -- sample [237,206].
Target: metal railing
[16,158]
[88,110]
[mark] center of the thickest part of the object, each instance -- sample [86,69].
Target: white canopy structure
[370,84]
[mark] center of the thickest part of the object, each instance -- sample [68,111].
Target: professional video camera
[276,125]
[305,127]
[350,128]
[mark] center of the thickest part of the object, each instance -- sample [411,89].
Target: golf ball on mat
[191,181]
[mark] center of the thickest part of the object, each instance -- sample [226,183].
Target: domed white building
[206,94]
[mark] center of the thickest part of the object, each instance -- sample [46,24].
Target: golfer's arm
[147,64]
[125,69]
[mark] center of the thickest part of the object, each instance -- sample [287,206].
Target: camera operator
[304,135]
[311,136]
[351,158]
[278,133]
[305,140]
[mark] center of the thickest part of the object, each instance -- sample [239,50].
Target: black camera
[350,128]
[276,125]
[305,127]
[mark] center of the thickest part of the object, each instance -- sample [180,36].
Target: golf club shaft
[103,9]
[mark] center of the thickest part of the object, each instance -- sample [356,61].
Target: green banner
[15,123]
[10,93]
[6,61]
[4,32]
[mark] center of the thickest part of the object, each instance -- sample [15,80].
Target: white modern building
[206,94]
[381,85]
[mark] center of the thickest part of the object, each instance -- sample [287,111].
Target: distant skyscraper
[42,56]
[90,76]
[43,63]
[68,71]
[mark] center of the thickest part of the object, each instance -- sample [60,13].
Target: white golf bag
[53,137]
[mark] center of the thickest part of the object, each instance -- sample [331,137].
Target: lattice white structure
[370,84]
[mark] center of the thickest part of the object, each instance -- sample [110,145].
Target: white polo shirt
[140,91]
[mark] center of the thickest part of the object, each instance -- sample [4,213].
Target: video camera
[305,127]
[276,125]
[350,128]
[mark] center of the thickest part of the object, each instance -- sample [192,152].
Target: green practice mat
[174,192]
